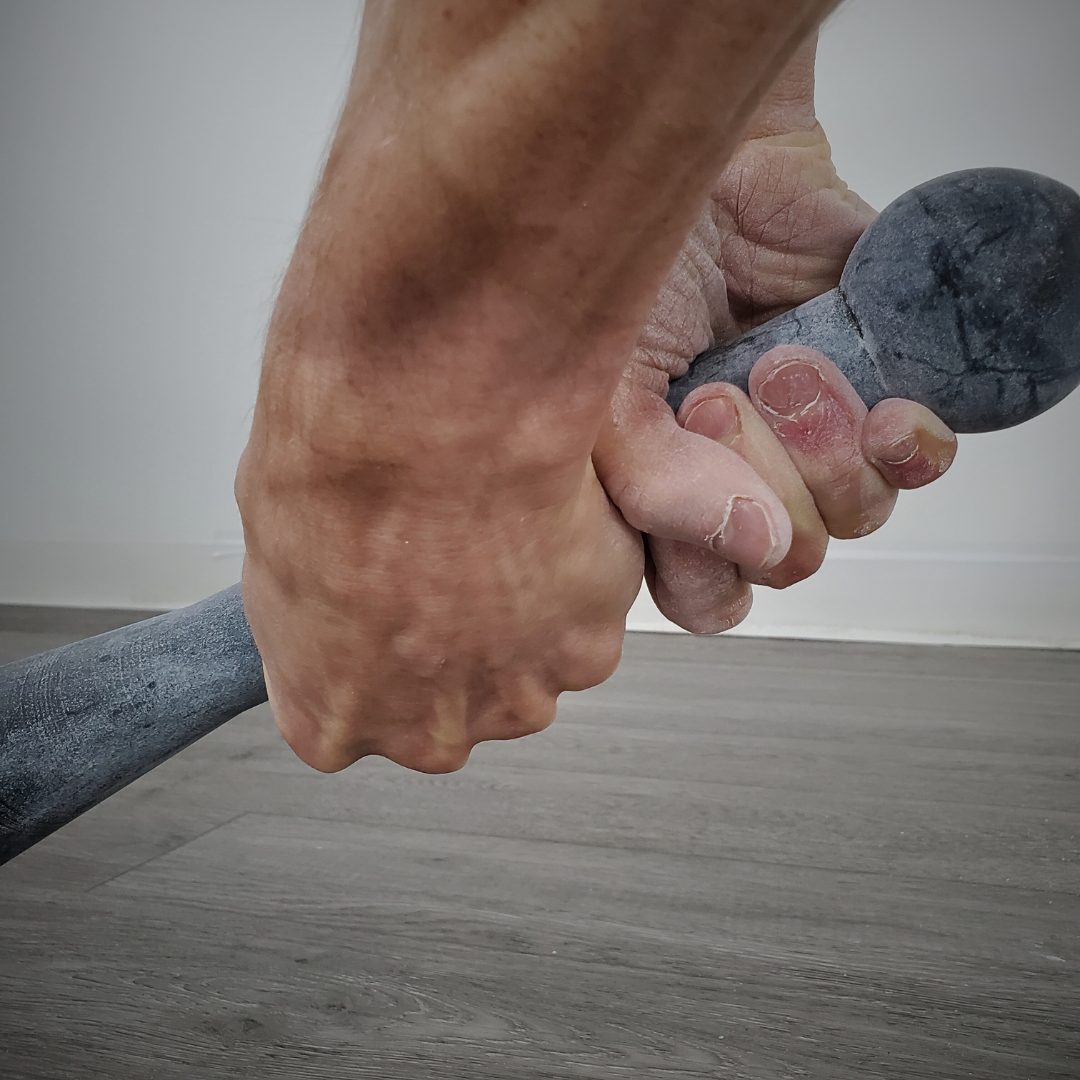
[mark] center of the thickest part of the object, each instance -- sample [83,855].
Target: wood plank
[305,948]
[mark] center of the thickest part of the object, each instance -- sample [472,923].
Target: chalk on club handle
[963,295]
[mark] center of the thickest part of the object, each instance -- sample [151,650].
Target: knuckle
[435,760]
[526,710]
[861,524]
[533,721]
[641,499]
[854,500]
[322,750]
[846,474]
[426,746]
[590,657]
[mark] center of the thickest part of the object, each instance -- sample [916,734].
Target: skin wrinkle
[681,326]
[795,248]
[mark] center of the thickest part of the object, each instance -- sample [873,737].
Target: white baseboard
[870,595]
[929,598]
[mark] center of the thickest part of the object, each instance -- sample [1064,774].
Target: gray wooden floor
[737,859]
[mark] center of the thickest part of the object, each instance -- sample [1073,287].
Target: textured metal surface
[963,295]
[81,721]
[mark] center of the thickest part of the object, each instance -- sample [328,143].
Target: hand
[776,231]
[431,558]
[417,610]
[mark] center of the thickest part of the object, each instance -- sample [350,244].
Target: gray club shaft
[824,323]
[80,722]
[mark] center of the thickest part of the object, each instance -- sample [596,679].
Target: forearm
[507,189]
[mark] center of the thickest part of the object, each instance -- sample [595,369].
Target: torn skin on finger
[726,415]
[791,390]
[916,460]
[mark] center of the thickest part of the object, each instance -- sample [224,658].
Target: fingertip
[753,534]
[803,561]
[907,443]
[714,411]
[695,589]
[707,621]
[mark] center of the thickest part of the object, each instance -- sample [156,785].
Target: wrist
[330,420]
[486,377]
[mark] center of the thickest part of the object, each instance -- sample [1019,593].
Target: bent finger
[818,418]
[723,413]
[674,484]
[907,443]
[695,588]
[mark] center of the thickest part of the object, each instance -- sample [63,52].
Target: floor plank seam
[586,846]
[869,673]
[891,800]
[169,851]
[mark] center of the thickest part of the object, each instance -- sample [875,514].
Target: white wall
[156,158]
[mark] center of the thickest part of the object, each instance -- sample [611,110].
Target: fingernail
[747,536]
[901,451]
[716,418]
[791,389]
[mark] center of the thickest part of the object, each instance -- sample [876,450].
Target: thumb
[674,484]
